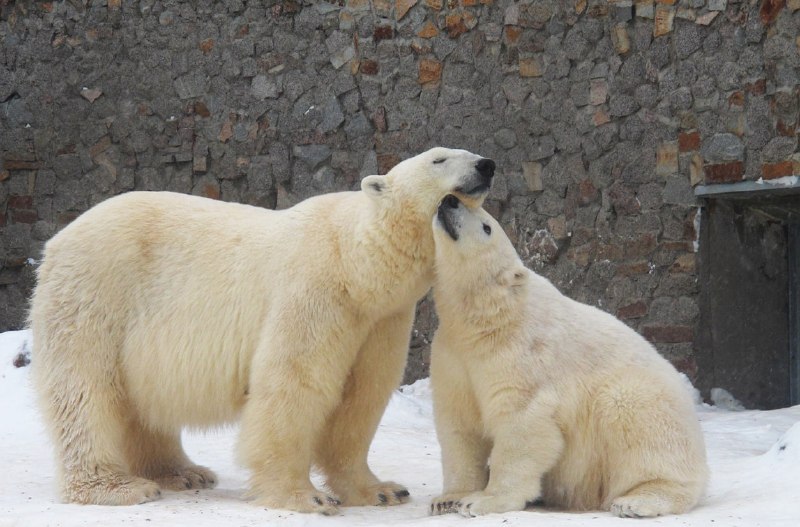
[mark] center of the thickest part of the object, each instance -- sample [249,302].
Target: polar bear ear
[374,185]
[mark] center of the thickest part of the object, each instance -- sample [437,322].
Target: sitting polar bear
[156,311]
[537,396]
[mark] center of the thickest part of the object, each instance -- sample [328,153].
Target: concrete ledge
[749,189]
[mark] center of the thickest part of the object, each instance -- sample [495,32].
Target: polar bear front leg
[527,445]
[344,445]
[296,381]
[459,429]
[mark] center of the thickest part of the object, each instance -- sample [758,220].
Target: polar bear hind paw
[480,503]
[111,489]
[192,477]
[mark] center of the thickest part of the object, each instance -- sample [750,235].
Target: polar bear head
[473,253]
[432,175]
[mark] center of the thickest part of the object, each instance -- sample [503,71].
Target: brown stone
[684,263]
[511,34]
[530,67]
[668,334]
[667,159]
[369,67]
[455,25]
[401,7]
[100,146]
[429,30]
[619,36]
[724,172]
[20,202]
[114,4]
[636,310]
[379,119]
[633,268]
[794,5]
[199,164]
[430,70]
[642,246]
[707,18]
[600,117]
[696,170]
[226,132]
[580,255]
[785,129]
[667,2]
[24,216]
[689,141]
[4,175]
[770,9]
[91,94]
[587,192]
[758,87]
[201,109]
[382,33]
[532,172]
[206,45]
[598,91]
[580,6]
[736,99]
[210,190]
[598,11]
[19,164]
[435,4]
[558,227]
[663,21]
[777,170]
[386,162]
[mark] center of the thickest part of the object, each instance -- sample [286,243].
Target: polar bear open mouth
[446,217]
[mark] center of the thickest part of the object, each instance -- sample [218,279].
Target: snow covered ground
[754,458]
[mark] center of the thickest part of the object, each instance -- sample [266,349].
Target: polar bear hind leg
[87,425]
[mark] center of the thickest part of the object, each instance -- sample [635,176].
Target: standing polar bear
[537,396]
[157,311]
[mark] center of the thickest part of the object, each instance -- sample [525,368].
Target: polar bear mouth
[446,215]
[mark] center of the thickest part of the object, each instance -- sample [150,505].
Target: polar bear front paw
[638,506]
[383,493]
[446,503]
[480,503]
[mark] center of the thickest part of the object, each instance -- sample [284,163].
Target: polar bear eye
[487,229]
[440,161]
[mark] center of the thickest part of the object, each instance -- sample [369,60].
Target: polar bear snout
[447,216]
[479,183]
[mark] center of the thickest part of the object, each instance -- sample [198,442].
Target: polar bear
[156,311]
[539,397]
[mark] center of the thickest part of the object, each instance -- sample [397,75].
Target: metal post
[793,251]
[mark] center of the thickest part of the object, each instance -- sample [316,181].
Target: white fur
[157,311]
[537,396]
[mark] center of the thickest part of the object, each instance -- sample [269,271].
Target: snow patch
[722,398]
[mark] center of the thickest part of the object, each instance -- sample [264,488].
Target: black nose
[485,168]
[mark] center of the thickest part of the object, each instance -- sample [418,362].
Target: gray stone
[544,147]
[575,45]
[681,99]
[646,95]
[721,148]
[312,155]
[779,149]
[505,138]
[687,39]
[678,191]
[332,115]
[622,105]
[191,85]
[264,87]
[357,126]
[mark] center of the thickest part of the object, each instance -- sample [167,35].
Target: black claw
[382,498]
[439,507]
[402,493]
[317,500]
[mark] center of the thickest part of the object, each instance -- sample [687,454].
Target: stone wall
[601,115]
